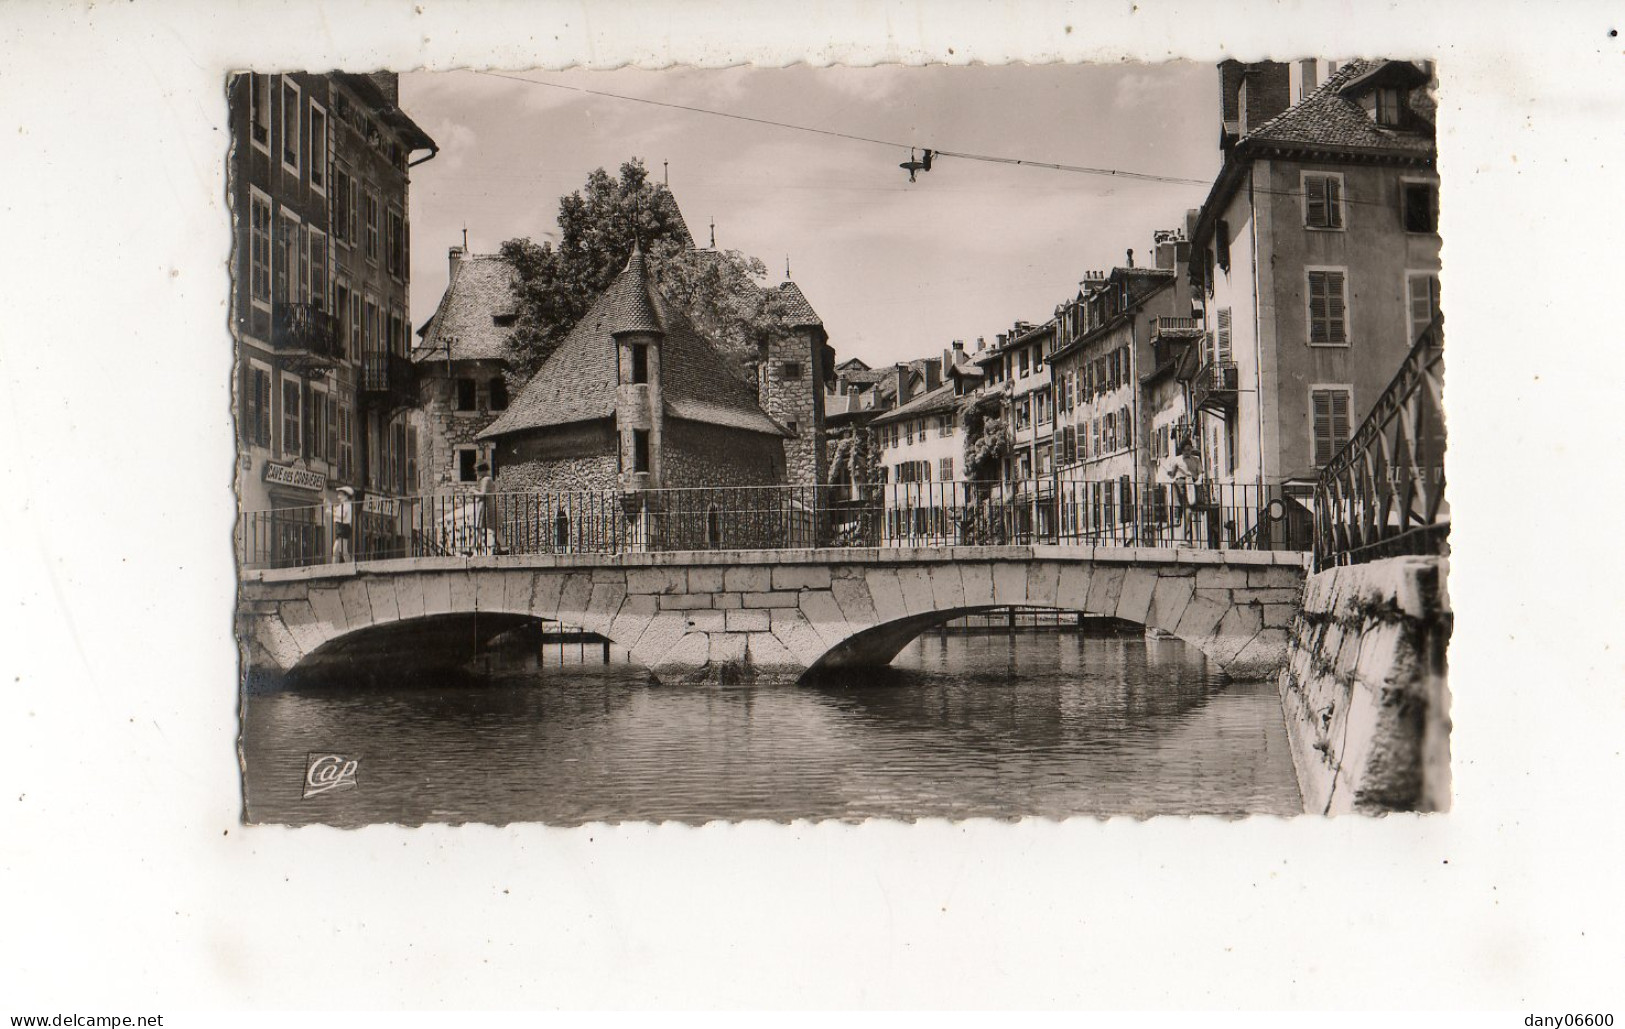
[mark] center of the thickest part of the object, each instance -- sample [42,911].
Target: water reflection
[962,726]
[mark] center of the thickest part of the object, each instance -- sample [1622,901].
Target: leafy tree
[987,444]
[720,292]
[987,438]
[854,457]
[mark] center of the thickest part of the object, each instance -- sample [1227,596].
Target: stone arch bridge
[729,617]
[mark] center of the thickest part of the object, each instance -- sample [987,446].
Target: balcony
[1214,386]
[388,381]
[305,337]
[1163,327]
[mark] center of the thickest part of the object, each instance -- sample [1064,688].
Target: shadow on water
[958,727]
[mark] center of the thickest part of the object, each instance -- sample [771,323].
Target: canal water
[964,726]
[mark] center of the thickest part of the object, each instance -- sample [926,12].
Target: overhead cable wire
[1117,173]
[992,159]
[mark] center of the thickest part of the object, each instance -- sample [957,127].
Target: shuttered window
[332,451]
[316,425]
[945,469]
[1323,201]
[1327,308]
[290,125]
[1222,353]
[1424,301]
[341,207]
[291,409]
[1331,409]
[260,248]
[257,408]
[346,441]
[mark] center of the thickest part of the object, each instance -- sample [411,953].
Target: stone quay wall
[1363,690]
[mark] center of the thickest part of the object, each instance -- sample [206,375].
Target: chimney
[1130,253]
[455,259]
[959,346]
[1250,95]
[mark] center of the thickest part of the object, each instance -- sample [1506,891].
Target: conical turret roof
[631,305]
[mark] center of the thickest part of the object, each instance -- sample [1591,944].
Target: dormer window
[1388,107]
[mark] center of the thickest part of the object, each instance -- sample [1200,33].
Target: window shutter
[1334,203]
[1224,334]
[1315,211]
[307,446]
[1322,402]
[1334,307]
[265,408]
[1339,420]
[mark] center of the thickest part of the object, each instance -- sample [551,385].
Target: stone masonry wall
[1364,692]
[799,399]
[696,455]
[444,428]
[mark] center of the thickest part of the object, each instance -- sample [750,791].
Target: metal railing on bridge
[1382,495]
[1117,512]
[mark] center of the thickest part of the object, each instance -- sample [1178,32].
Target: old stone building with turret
[636,399]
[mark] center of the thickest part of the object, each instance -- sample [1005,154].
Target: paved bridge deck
[770,615]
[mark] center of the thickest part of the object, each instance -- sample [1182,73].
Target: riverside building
[318,179]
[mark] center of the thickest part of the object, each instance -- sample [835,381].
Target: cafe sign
[301,478]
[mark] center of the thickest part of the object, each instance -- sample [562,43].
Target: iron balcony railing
[1116,512]
[388,378]
[1383,493]
[1215,385]
[305,332]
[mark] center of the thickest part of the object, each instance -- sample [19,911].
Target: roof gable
[465,326]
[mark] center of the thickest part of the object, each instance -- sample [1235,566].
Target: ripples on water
[959,727]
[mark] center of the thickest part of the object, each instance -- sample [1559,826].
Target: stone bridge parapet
[728,617]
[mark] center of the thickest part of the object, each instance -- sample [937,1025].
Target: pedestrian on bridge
[343,525]
[488,521]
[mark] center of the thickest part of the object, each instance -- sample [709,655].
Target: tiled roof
[463,326]
[863,376]
[668,203]
[1327,118]
[943,398]
[800,312]
[578,381]
[630,305]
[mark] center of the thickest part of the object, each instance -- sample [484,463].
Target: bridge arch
[738,617]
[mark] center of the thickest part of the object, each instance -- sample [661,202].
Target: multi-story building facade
[1105,442]
[1317,256]
[318,179]
[1020,358]
[1017,366]
[921,453]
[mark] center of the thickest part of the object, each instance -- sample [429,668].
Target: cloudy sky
[897,270]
